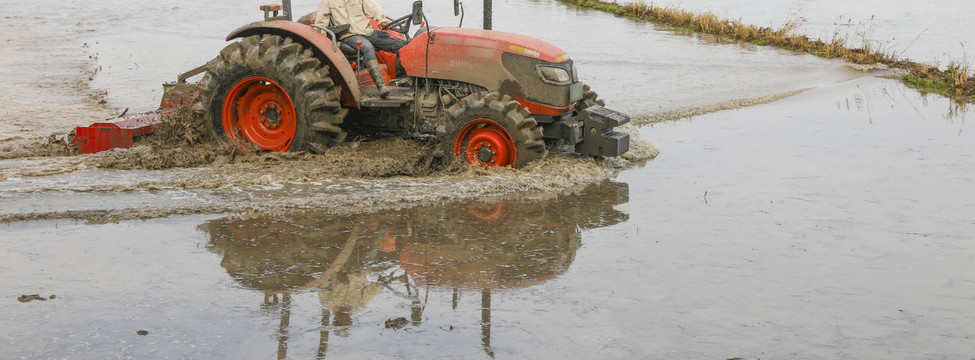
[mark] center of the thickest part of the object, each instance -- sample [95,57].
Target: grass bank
[955,82]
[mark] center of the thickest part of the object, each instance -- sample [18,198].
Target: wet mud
[356,177]
[29,298]
[185,154]
[192,157]
[397,323]
[185,140]
[53,145]
[181,140]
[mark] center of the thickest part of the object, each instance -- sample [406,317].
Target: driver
[357,13]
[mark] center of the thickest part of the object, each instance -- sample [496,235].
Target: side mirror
[456,7]
[418,12]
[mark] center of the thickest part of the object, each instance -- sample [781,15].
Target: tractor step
[114,133]
[398,96]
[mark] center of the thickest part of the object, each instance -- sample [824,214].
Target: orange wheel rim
[486,143]
[259,110]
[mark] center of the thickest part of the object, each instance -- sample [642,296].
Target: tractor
[490,98]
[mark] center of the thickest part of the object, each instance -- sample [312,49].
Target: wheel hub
[259,110]
[485,142]
[484,153]
[271,116]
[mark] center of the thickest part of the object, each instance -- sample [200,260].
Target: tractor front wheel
[491,130]
[269,91]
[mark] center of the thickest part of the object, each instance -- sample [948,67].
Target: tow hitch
[591,131]
[598,137]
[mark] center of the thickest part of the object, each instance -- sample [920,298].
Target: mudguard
[320,44]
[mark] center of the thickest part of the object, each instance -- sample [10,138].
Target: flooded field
[933,32]
[822,214]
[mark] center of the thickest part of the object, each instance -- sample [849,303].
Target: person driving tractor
[357,13]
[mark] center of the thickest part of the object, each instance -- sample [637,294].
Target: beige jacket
[353,12]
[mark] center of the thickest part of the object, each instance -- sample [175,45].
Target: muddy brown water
[824,213]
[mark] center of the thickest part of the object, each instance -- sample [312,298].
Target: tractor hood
[500,41]
[495,60]
[472,55]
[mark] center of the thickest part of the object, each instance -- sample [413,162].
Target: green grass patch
[929,85]
[611,8]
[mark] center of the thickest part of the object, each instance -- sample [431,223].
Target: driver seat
[387,61]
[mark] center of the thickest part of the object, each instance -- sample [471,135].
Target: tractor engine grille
[528,84]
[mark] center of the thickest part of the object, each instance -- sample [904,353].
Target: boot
[377,77]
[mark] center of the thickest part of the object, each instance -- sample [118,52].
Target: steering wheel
[401,25]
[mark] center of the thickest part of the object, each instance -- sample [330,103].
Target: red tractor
[490,97]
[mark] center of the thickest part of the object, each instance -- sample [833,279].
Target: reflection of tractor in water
[470,246]
[491,98]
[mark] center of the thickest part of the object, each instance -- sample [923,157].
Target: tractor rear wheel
[272,92]
[491,130]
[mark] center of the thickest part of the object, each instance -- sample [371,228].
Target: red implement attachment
[119,133]
[111,134]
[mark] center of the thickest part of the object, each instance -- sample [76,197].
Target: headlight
[553,75]
[575,73]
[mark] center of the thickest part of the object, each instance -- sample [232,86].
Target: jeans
[379,40]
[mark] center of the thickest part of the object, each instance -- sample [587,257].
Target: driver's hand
[383,23]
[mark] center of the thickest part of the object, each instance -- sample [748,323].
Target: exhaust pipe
[487,15]
[287,9]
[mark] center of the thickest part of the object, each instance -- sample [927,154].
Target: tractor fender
[320,45]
